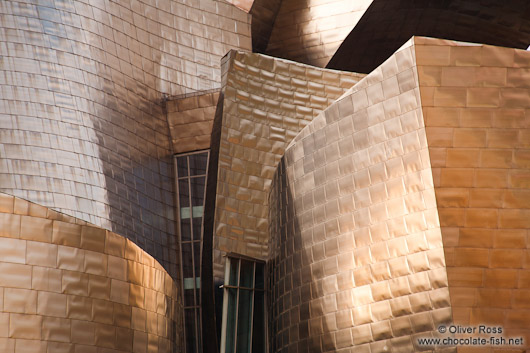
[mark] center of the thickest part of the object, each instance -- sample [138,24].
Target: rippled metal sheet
[190,120]
[83,128]
[66,285]
[357,258]
[266,103]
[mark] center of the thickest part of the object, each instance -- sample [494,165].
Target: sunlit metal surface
[356,246]
[476,107]
[311,31]
[66,285]
[266,103]
[83,128]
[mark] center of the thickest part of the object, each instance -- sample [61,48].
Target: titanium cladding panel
[356,246]
[66,285]
[266,102]
[476,106]
[82,125]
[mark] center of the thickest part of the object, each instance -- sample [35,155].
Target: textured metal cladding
[66,285]
[476,107]
[381,31]
[357,261]
[83,125]
[266,103]
[190,121]
[307,31]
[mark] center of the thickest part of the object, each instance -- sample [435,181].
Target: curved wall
[311,31]
[356,247]
[82,121]
[266,102]
[387,24]
[66,286]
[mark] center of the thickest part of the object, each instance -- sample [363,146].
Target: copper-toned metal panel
[311,31]
[266,103]
[190,120]
[83,128]
[66,298]
[477,130]
[354,198]
[387,24]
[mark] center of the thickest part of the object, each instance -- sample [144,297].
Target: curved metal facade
[82,117]
[403,206]
[356,245]
[66,286]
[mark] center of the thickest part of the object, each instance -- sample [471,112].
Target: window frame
[196,307]
[226,286]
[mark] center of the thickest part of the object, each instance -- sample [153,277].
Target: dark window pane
[197,259]
[190,330]
[244,315]
[187,261]
[198,163]
[247,274]
[182,166]
[258,329]
[185,229]
[234,269]
[188,295]
[260,282]
[199,329]
[184,195]
[197,229]
[231,320]
[197,191]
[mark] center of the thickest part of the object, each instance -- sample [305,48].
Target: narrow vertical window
[243,329]
[191,188]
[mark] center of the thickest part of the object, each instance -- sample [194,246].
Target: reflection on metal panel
[266,103]
[83,123]
[356,245]
[70,286]
[478,133]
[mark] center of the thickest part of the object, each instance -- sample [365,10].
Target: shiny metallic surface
[190,120]
[83,128]
[476,107]
[69,286]
[266,102]
[387,24]
[357,258]
[311,31]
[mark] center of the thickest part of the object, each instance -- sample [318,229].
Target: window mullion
[252,306]
[237,304]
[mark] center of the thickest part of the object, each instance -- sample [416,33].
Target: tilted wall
[387,24]
[266,102]
[310,31]
[66,286]
[83,128]
[476,104]
[356,247]
[190,120]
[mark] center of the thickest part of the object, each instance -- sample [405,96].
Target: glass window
[243,329]
[191,172]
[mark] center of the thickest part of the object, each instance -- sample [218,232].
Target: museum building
[229,176]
